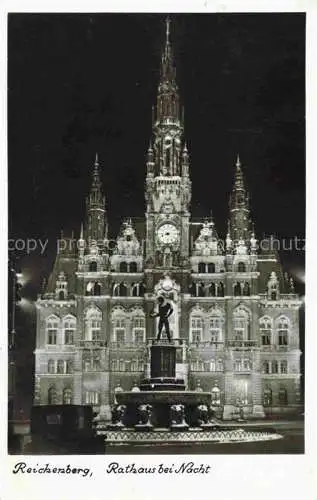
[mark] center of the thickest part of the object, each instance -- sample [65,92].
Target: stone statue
[178,416]
[164,311]
[117,414]
[144,415]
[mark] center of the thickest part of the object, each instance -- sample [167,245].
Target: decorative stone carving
[178,417]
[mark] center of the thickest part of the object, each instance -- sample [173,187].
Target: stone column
[256,381]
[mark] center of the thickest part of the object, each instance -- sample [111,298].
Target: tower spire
[96,206]
[239,206]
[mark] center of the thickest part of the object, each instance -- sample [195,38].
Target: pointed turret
[239,207]
[167,126]
[96,213]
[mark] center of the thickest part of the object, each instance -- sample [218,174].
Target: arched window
[212,289]
[201,267]
[67,396]
[97,289]
[114,365]
[116,290]
[241,267]
[265,367]
[52,395]
[219,365]
[241,322]
[123,290]
[60,366]
[192,290]
[267,396]
[274,366]
[69,366]
[92,266]
[283,366]
[196,329]
[61,295]
[69,328]
[141,290]
[135,289]
[237,289]
[138,330]
[119,330]
[246,289]
[93,318]
[211,267]
[220,289]
[123,268]
[215,326]
[215,396]
[265,325]
[51,366]
[283,331]
[282,396]
[52,325]
[133,267]
[201,289]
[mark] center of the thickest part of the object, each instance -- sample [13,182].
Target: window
[201,267]
[237,365]
[69,366]
[246,289]
[283,331]
[134,365]
[196,329]
[138,330]
[215,329]
[119,330]
[51,366]
[60,366]
[91,398]
[93,266]
[267,397]
[220,289]
[200,290]
[283,366]
[123,290]
[114,365]
[265,330]
[52,329]
[266,367]
[121,365]
[237,289]
[123,267]
[212,365]
[135,288]
[52,396]
[69,327]
[67,396]
[241,267]
[219,365]
[133,267]
[240,324]
[211,267]
[274,367]
[93,319]
[212,289]
[247,365]
[215,396]
[282,396]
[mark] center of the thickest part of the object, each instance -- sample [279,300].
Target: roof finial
[97,160]
[238,163]
[168,21]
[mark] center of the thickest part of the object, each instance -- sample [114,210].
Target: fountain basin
[187,398]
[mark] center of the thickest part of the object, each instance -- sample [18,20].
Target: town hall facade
[235,313]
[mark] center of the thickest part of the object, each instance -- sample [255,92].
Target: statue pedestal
[163,361]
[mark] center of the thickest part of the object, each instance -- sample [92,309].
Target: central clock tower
[168,186]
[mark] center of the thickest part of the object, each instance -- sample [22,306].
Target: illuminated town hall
[235,317]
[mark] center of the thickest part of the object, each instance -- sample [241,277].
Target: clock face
[167,234]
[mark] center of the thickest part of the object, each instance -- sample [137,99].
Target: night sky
[83,83]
